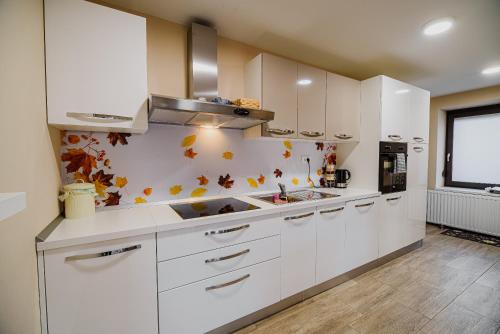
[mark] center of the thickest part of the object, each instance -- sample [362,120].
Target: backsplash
[174,162]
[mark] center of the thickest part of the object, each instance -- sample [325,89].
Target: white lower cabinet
[361,232]
[298,252]
[330,242]
[392,222]
[211,303]
[418,157]
[107,287]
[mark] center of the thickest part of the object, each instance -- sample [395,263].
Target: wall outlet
[304,158]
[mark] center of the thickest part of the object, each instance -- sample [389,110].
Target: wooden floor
[449,285]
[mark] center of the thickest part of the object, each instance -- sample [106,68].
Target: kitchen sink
[297,196]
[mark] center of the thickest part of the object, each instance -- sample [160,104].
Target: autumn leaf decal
[320,146]
[198,192]
[203,181]
[287,154]
[73,139]
[189,153]
[78,158]
[319,172]
[113,199]
[225,181]
[103,178]
[140,200]
[228,155]
[295,181]
[188,141]
[175,190]
[115,137]
[252,183]
[287,144]
[79,176]
[278,172]
[261,179]
[121,181]
[147,191]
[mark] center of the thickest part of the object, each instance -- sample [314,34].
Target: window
[473,147]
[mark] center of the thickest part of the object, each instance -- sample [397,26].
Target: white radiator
[473,212]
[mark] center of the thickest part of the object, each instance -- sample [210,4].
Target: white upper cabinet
[343,106]
[419,115]
[395,110]
[95,67]
[311,85]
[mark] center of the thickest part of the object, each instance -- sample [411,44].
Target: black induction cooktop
[211,207]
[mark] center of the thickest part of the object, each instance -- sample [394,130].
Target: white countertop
[141,219]
[11,203]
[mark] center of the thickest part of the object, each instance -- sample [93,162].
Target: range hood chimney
[199,110]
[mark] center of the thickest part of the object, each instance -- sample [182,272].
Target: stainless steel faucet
[282,191]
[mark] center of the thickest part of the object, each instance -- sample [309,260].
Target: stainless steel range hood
[202,51]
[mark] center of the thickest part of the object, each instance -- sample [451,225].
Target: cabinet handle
[223,285]
[99,117]
[331,210]
[395,137]
[418,149]
[227,257]
[363,205]
[393,199]
[280,132]
[418,139]
[229,230]
[102,254]
[299,216]
[312,133]
[343,136]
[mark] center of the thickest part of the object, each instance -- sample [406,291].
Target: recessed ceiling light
[436,27]
[491,70]
[304,82]
[402,91]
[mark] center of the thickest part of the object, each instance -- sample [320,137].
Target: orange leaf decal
[203,180]
[100,188]
[287,154]
[198,192]
[287,144]
[188,141]
[73,139]
[252,183]
[319,172]
[295,181]
[189,153]
[115,137]
[228,155]
[225,181]
[107,162]
[278,172]
[140,200]
[79,176]
[121,181]
[261,179]
[78,158]
[148,191]
[113,199]
[174,190]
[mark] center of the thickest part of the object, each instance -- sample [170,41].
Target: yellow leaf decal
[99,188]
[198,192]
[121,181]
[139,200]
[287,144]
[310,182]
[174,190]
[188,141]
[227,155]
[319,172]
[295,181]
[252,183]
[148,191]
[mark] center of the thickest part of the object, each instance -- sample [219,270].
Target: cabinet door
[95,64]
[330,242]
[311,86]
[392,223]
[418,155]
[361,232]
[89,291]
[298,252]
[395,110]
[279,94]
[343,108]
[419,115]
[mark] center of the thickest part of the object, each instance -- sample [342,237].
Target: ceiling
[358,38]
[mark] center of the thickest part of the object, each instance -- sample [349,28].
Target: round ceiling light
[491,70]
[436,27]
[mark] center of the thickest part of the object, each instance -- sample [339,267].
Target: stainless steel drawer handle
[280,132]
[331,210]
[395,137]
[363,205]
[312,133]
[343,136]
[393,199]
[227,257]
[99,117]
[102,254]
[418,149]
[418,139]
[300,216]
[229,230]
[223,285]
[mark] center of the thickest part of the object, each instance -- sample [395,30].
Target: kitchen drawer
[172,244]
[196,267]
[211,303]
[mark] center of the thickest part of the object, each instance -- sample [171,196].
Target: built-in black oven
[392,167]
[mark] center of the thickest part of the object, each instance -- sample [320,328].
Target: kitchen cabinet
[106,287]
[343,108]
[361,232]
[311,100]
[298,252]
[392,222]
[395,110]
[330,242]
[95,67]
[418,157]
[419,114]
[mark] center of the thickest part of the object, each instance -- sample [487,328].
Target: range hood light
[304,82]
[209,126]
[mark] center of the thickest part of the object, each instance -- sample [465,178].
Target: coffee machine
[342,178]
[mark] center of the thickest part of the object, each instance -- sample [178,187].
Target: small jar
[79,200]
